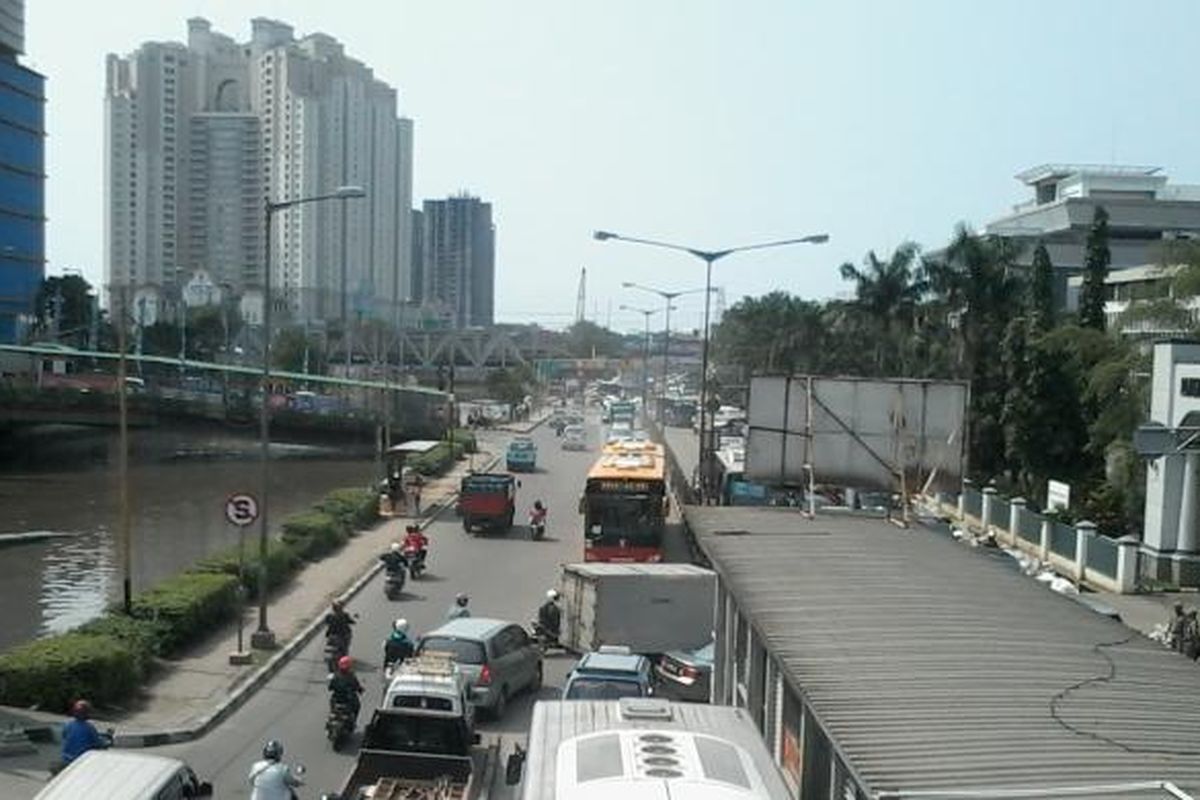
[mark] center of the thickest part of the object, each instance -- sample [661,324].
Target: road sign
[241,509]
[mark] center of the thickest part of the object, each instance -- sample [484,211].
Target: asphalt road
[506,576]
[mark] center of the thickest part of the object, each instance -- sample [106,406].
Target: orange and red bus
[624,503]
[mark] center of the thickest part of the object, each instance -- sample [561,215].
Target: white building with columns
[199,135]
[1172,521]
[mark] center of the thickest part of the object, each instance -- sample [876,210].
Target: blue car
[521,456]
[609,674]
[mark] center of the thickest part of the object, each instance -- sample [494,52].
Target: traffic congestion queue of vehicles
[624,504]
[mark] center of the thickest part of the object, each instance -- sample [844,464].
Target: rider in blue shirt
[79,735]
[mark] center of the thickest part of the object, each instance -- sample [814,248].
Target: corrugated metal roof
[933,667]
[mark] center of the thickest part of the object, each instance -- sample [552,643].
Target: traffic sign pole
[241,510]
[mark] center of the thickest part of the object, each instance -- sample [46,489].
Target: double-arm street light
[646,314]
[264,637]
[708,257]
[668,298]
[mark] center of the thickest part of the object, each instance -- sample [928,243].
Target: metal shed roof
[932,667]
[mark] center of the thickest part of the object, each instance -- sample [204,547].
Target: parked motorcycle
[393,584]
[339,725]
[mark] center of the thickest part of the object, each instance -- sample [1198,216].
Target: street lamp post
[668,298]
[708,257]
[646,314]
[264,637]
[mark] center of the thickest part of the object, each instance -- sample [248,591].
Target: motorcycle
[543,638]
[416,561]
[393,583]
[107,736]
[336,646]
[537,525]
[339,725]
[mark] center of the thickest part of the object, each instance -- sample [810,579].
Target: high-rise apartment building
[458,260]
[200,135]
[22,177]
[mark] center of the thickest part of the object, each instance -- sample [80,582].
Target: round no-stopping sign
[241,509]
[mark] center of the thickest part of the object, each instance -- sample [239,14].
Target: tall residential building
[458,260]
[22,177]
[200,135]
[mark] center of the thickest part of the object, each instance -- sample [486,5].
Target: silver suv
[497,657]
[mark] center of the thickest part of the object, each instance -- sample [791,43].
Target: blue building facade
[22,195]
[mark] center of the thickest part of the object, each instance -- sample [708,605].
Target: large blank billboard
[862,432]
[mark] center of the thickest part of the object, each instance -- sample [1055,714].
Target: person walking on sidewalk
[270,779]
[417,483]
[1175,628]
[1191,635]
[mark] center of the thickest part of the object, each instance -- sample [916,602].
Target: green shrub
[53,672]
[313,534]
[145,638]
[353,509]
[282,563]
[189,604]
[467,439]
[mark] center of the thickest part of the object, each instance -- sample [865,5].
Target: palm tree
[889,291]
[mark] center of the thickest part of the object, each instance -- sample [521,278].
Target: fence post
[1044,544]
[962,503]
[1128,553]
[1015,507]
[1084,532]
[985,510]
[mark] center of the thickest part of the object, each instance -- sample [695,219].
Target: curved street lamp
[708,257]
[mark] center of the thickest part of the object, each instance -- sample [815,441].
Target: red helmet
[345,663]
[81,709]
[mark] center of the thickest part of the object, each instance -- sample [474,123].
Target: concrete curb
[277,661]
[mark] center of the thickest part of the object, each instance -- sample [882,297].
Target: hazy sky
[707,123]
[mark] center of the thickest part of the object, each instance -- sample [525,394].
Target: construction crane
[581,297]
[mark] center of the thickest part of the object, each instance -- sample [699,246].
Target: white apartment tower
[198,136]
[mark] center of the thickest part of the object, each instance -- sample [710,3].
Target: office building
[458,260]
[1144,209]
[22,178]
[200,135]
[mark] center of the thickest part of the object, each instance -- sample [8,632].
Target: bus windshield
[636,518]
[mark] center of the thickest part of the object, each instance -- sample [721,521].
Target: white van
[125,775]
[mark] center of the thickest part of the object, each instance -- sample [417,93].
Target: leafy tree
[288,352]
[1041,291]
[67,300]
[889,291]
[586,339]
[1095,270]
[508,385]
[1016,401]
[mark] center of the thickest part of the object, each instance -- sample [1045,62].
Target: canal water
[64,481]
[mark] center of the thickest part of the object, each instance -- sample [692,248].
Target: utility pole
[125,543]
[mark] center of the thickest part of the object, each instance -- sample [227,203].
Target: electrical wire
[1111,675]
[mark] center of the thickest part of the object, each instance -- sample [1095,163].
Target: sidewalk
[192,693]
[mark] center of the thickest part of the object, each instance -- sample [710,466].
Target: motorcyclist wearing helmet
[80,735]
[270,778]
[416,541]
[337,621]
[549,616]
[394,560]
[397,646]
[459,609]
[344,687]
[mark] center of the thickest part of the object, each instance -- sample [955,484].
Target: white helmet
[552,594]
[400,625]
[395,547]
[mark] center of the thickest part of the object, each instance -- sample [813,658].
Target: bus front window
[630,517]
